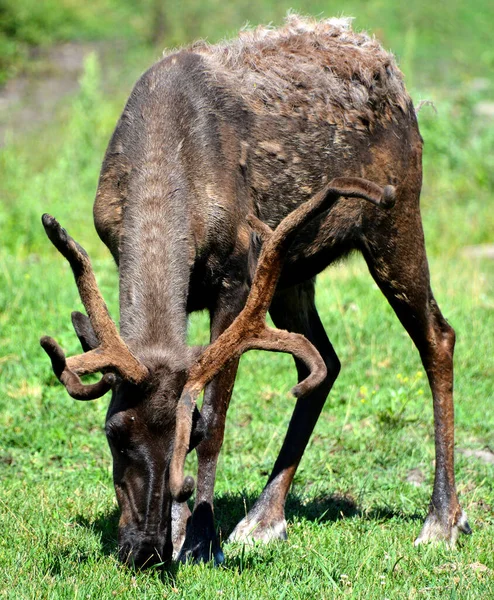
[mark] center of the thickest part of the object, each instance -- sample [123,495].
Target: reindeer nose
[141,557]
[142,551]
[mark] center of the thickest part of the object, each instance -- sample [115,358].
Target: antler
[112,353]
[249,329]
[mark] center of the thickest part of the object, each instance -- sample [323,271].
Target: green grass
[352,514]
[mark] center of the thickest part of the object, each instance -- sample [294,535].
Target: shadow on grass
[231,508]
[105,526]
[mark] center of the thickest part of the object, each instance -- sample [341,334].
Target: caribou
[236,173]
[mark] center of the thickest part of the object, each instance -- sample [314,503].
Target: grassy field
[362,489]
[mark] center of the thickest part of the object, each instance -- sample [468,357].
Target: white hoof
[435,531]
[252,530]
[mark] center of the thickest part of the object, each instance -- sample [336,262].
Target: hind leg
[294,310]
[399,266]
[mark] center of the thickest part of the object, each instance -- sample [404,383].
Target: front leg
[201,542]
[295,310]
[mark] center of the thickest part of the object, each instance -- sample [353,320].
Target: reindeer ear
[198,432]
[85,331]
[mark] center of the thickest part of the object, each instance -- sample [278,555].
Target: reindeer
[306,130]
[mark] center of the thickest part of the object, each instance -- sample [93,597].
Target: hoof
[202,552]
[251,530]
[436,531]
[201,543]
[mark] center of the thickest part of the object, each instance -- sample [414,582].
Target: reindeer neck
[154,270]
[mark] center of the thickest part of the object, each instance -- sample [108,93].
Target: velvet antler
[112,354]
[249,330]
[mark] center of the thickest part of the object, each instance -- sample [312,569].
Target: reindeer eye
[119,445]
[118,438]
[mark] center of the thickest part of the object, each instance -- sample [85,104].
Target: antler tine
[249,330]
[181,488]
[112,352]
[86,334]
[71,381]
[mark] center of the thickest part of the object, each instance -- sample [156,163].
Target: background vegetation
[364,484]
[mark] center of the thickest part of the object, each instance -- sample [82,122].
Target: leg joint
[449,336]
[332,363]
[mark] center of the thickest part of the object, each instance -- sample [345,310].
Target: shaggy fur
[321,70]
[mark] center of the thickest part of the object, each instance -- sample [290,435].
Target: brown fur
[350,79]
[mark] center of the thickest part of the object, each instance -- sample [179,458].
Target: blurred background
[66,70]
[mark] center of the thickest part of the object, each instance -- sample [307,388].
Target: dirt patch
[416,477]
[486,455]
[480,251]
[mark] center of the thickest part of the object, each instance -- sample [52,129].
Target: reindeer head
[153,421]
[140,421]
